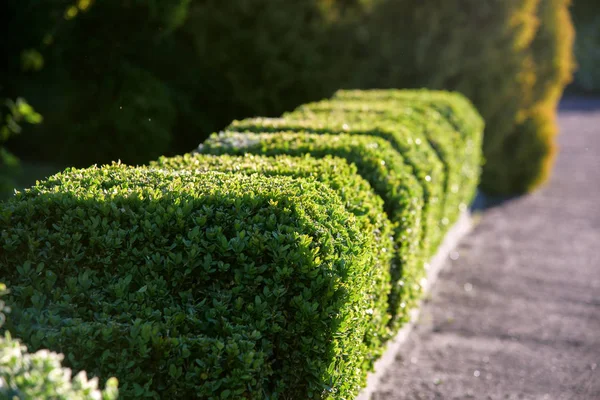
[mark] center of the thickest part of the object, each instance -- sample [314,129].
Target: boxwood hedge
[195,285]
[356,194]
[460,153]
[453,106]
[457,111]
[413,146]
[273,263]
[381,166]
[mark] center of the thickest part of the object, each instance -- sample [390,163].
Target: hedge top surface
[355,192]
[454,106]
[464,120]
[461,155]
[207,284]
[411,143]
[376,161]
[406,137]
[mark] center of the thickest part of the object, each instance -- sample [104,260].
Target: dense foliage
[422,130]
[275,265]
[195,284]
[40,375]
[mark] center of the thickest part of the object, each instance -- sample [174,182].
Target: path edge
[460,229]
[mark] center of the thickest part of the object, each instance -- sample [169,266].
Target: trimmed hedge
[453,106]
[462,162]
[356,194]
[413,147]
[275,264]
[40,376]
[382,167]
[193,284]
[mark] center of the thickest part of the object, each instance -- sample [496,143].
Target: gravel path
[517,314]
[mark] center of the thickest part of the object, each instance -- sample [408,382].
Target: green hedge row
[275,262]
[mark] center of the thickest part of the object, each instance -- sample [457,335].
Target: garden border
[461,228]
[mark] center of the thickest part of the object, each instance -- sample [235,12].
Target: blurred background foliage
[586,16]
[13,115]
[136,79]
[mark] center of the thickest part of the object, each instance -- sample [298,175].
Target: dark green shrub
[414,148]
[127,115]
[586,18]
[133,121]
[506,56]
[100,97]
[356,194]
[379,164]
[189,47]
[40,376]
[192,285]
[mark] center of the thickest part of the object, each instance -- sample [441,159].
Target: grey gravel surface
[516,312]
